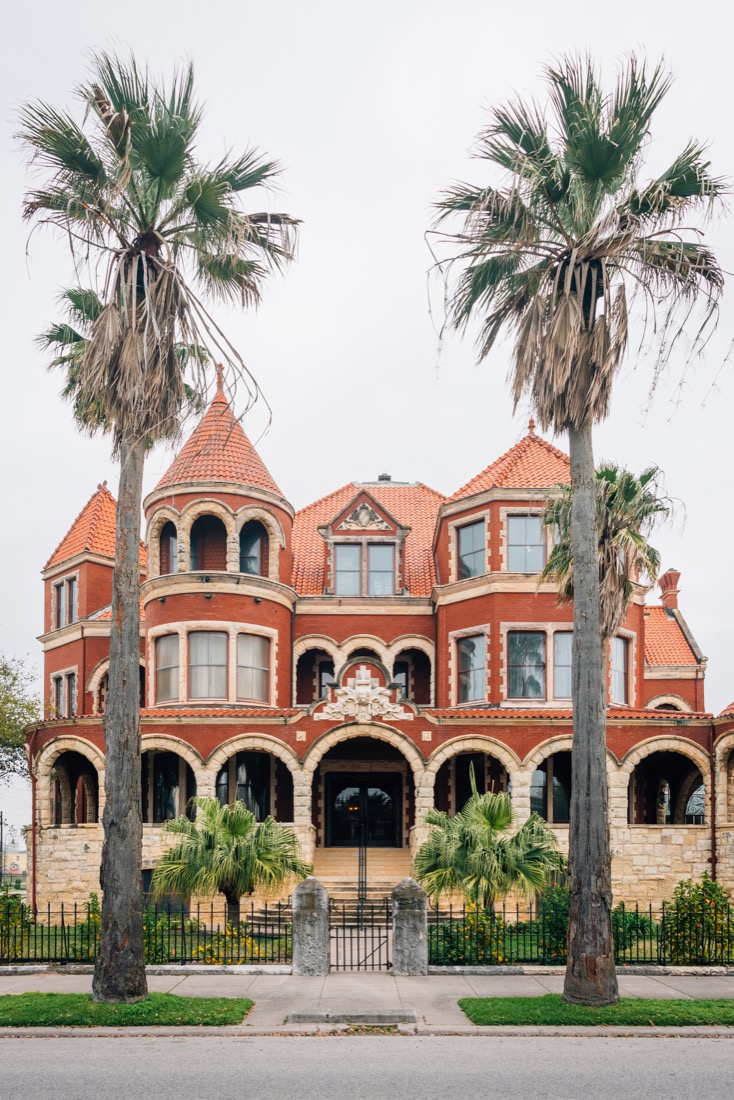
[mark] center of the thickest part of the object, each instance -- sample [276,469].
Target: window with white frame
[562,651]
[471,542]
[472,660]
[525,544]
[525,664]
[620,671]
[208,664]
[65,598]
[63,695]
[361,569]
[253,667]
[166,668]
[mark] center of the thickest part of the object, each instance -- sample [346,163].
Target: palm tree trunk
[119,973]
[590,971]
[233,908]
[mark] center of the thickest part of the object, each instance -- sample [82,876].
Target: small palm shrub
[698,925]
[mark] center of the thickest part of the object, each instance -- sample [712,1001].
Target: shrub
[169,936]
[477,939]
[697,925]
[233,945]
[552,923]
[628,926]
[82,938]
[15,918]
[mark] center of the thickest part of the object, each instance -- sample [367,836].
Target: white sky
[372,110]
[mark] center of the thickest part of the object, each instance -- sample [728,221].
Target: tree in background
[154,229]
[555,254]
[627,509]
[19,706]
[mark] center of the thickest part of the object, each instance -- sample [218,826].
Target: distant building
[343,667]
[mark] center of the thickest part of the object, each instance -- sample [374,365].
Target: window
[620,677]
[348,558]
[166,669]
[562,648]
[381,569]
[526,665]
[472,553]
[253,549]
[207,665]
[63,690]
[169,549]
[247,777]
[472,668]
[401,676]
[525,544]
[66,602]
[325,677]
[550,789]
[380,565]
[253,667]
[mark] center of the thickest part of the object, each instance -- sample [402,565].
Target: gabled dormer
[363,546]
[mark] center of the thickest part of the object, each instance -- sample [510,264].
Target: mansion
[345,666]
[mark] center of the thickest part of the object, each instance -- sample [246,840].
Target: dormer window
[253,549]
[364,569]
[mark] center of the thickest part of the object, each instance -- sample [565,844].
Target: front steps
[337,870]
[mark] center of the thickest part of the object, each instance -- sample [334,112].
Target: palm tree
[137,209]
[555,255]
[224,850]
[475,854]
[627,509]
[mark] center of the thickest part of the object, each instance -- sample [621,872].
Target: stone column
[409,928]
[310,928]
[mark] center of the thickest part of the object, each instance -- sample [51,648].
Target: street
[365,1067]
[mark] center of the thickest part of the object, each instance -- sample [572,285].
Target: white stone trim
[205,506]
[62,674]
[677,700]
[163,515]
[377,732]
[43,765]
[276,538]
[96,676]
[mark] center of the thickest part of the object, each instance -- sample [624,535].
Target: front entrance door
[364,808]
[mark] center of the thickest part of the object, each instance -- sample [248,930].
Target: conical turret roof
[93,530]
[219,450]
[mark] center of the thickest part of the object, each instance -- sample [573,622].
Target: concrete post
[310,928]
[409,928]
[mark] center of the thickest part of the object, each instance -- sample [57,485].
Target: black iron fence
[201,934]
[360,936]
[670,935]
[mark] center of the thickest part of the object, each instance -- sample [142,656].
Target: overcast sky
[371,109]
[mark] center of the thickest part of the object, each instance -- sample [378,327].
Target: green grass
[552,1010]
[78,1010]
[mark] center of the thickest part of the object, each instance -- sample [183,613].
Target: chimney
[384,477]
[669,588]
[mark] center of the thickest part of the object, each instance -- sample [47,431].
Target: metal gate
[360,936]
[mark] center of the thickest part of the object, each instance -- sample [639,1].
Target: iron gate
[360,936]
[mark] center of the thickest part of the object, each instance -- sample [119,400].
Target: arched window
[74,790]
[168,548]
[254,549]
[167,784]
[261,781]
[453,780]
[208,544]
[550,789]
[314,671]
[666,788]
[412,670]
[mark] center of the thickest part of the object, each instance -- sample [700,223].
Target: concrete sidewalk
[285,1003]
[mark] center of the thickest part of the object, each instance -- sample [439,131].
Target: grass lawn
[552,1010]
[78,1010]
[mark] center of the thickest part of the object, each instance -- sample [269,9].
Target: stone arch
[276,538]
[681,747]
[475,743]
[206,506]
[676,701]
[372,730]
[301,786]
[95,678]
[308,643]
[163,515]
[724,765]
[364,641]
[423,645]
[165,742]
[43,766]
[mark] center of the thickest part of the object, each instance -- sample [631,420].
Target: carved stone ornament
[363,698]
[363,518]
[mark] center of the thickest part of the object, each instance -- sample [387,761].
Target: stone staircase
[337,869]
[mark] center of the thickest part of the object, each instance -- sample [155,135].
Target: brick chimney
[669,588]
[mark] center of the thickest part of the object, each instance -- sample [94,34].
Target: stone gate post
[310,928]
[409,928]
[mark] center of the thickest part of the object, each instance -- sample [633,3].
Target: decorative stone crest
[363,698]
[363,518]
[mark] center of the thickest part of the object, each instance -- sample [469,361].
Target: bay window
[208,665]
[526,664]
[472,654]
[166,669]
[253,667]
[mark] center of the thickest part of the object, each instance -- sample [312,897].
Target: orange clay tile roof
[104,615]
[93,530]
[532,463]
[727,712]
[219,450]
[217,712]
[510,714]
[665,642]
[415,506]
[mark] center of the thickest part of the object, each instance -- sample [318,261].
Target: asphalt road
[366,1068]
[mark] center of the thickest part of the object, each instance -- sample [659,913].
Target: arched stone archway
[472,743]
[724,778]
[666,746]
[43,766]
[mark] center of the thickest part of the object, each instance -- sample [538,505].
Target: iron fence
[70,934]
[670,935]
[360,937]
